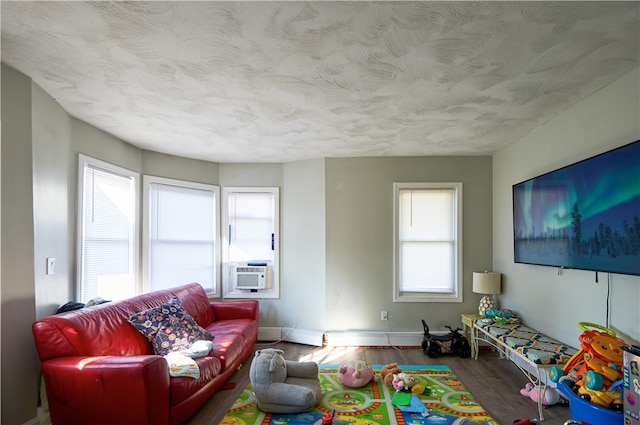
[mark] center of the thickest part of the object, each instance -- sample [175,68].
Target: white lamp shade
[486,283]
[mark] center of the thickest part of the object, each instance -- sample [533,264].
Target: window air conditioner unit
[252,277]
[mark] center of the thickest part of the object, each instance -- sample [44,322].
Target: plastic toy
[502,315]
[452,343]
[549,396]
[610,399]
[596,367]
[328,418]
[420,389]
[526,422]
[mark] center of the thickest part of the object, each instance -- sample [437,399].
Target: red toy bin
[589,413]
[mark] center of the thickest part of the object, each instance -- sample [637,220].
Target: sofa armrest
[241,309]
[108,390]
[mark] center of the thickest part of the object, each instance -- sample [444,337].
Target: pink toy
[550,397]
[403,381]
[355,374]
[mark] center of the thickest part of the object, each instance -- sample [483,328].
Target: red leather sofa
[98,369]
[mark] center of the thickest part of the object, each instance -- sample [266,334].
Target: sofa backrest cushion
[196,302]
[103,330]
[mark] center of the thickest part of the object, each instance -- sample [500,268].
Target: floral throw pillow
[176,337]
[169,315]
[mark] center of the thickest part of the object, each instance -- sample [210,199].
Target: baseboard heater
[299,336]
[341,338]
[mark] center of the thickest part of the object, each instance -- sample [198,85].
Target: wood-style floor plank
[494,382]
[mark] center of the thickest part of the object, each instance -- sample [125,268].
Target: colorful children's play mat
[444,400]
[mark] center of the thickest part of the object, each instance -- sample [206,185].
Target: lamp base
[486,303]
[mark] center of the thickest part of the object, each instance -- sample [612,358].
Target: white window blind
[107,231]
[427,244]
[182,234]
[251,227]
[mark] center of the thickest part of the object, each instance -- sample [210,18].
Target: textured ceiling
[285,81]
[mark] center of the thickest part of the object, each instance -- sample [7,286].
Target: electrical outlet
[51,265]
[384,315]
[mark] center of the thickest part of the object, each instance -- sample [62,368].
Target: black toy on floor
[452,343]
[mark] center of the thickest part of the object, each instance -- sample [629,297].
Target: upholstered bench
[529,343]
[516,341]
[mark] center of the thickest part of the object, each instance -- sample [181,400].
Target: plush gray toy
[284,386]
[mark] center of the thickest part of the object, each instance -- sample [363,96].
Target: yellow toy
[418,388]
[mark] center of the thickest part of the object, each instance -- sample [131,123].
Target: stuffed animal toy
[355,374]
[387,373]
[403,381]
[550,397]
[284,386]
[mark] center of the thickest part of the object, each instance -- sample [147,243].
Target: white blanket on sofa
[181,363]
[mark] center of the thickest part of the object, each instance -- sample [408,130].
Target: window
[427,235]
[251,239]
[180,234]
[107,230]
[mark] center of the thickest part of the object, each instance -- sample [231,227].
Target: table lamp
[487,283]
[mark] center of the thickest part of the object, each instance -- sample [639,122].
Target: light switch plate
[51,265]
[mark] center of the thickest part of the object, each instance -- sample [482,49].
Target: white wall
[302,289]
[550,302]
[169,166]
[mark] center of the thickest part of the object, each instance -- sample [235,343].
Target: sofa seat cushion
[228,348]
[181,388]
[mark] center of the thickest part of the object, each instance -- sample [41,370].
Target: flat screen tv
[582,216]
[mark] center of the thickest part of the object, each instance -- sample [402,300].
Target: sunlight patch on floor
[327,355]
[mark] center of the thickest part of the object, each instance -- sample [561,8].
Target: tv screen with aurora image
[583,216]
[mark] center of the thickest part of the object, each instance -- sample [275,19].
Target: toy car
[611,399]
[452,343]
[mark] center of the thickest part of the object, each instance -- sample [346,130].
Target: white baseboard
[303,336]
[342,338]
[378,339]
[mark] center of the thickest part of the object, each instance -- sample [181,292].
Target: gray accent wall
[19,367]
[359,223]
[53,206]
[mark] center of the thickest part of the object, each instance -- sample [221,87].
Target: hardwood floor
[494,382]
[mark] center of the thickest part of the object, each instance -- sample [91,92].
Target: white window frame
[456,294]
[88,162]
[146,260]
[228,291]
